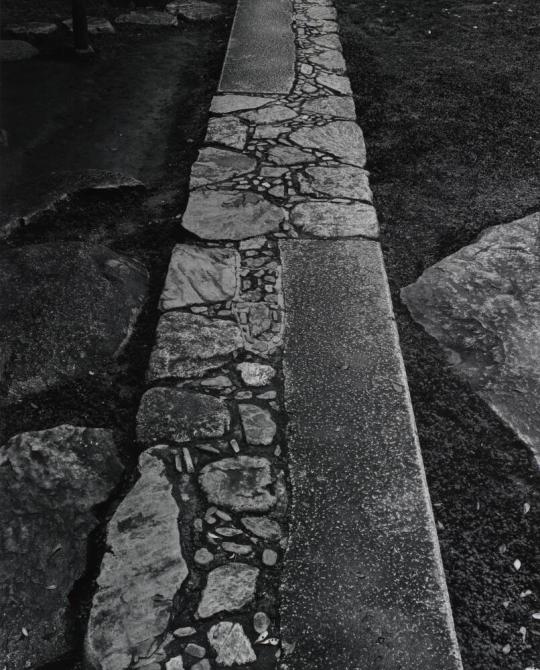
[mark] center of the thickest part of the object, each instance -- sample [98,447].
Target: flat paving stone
[228,588]
[270,114]
[259,427]
[224,104]
[227,130]
[231,644]
[335,82]
[261,54]
[148,17]
[256,374]
[363,556]
[263,527]
[342,139]
[196,10]
[337,182]
[187,345]
[286,155]
[199,275]
[14,50]
[328,219]
[330,60]
[332,105]
[221,215]
[32,29]
[215,165]
[176,415]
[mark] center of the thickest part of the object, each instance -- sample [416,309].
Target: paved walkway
[282,512]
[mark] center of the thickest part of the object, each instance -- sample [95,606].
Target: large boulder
[482,304]
[50,482]
[66,310]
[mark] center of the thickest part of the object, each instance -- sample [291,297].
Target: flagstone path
[258,533]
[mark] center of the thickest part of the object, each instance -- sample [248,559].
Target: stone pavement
[213,559]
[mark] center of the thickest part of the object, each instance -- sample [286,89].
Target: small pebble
[269,557]
[195,650]
[261,622]
[203,556]
[186,631]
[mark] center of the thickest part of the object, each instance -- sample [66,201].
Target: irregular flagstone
[482,304]
[96,26]
[149,17]
[330,41]
[224,104]
[14,50]
[263,527]
[31,29]
[259,427]
[219,215]
[187,345]
[66,310]
[195,10]
[256,374]
[180,416]
[227,130]
[328,219]
[141,571]
[333,105]
[340,138]
[270,114]
[199,275]
[50,483]
[285,155]
[241,484]
[322,13]
[214,165]
[228,588]
[337,182]
[231,644]
[336,82]
[330,60]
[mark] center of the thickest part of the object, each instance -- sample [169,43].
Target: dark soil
[447,95]
[139,106]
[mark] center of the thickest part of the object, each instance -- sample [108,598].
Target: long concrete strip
[199,570]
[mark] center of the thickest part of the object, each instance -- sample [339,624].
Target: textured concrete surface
[362,586]
[260,56]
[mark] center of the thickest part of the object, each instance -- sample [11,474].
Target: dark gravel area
[447,95]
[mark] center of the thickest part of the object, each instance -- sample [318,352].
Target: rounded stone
[228,588]
[256,374]
[203,556]
[269,557]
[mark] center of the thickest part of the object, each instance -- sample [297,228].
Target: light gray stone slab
[187,345]
[328,219]
[227,130]
[482,304]
[342,139]
[30,29]
[148,17]
[224,104]
[326,13]
[199,275]
[241,484]
[231,644]
[50,483]
[215,165]
[263,527]
[335,82]
[259,427]
[330,41]
[261,53]
[14,50]
[176,415]
[337,182]
[220,215]
[286,155]
[333,105]
[228,588]
[141,571]
[329,60]
[270,114]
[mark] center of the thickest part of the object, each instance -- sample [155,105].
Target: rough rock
[328,219]
[187,345]
[180,416]
[333,105]
[227,130]
[335,82]
[199,275]
[284,155]
[14,50]
[224,104]
[259,427]
[66,310]
[330,60]
[261,622]
[337,182]
[482,304]
[32,29]
[45,194]
[321,13]
[148,17]
[231,644]
[215,165]
[140,573]
[342,139]
[263,527]
[175,663]
[50,483]
[195,650]
[228,588]
[269,557]
[203,556]
[216,215]
[196,10]
[235,548]
[256,374]
[269,114]
[241,484]
[330,41]
[96,26]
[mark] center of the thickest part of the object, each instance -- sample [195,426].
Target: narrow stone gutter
[192,576]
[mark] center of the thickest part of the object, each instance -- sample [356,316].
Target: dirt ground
[447,94]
